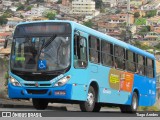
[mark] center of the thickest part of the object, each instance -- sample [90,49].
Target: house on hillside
[83,7]
[4,28]
[151,36]
[156,29]
[13,21]
[154,5]
[35,18]
[109,3]
[153,21]
[136,3]
[36,11]
[120,18]
[65,9]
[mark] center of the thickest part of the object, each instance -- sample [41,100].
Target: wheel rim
[134,103]
[90,99]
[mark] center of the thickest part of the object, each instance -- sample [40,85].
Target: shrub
[151,108]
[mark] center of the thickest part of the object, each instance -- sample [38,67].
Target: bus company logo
[105,91]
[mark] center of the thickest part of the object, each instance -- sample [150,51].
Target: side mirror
[76,32]
[8,38]
[5,43]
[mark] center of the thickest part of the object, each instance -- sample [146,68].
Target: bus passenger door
[80,64]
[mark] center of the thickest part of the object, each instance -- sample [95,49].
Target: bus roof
[99,35]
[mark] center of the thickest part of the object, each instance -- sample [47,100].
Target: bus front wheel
[40,104]
[133,107]
[88,106]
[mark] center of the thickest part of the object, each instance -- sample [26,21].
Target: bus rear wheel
[90,105]
[133,107]
[40,104]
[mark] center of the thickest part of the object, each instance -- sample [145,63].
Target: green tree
[29,8]
[125,35]
[21,16]
[140,21]
[8,13]
[118,11]
[136,15]
[40,1]
[157,46]
[88,24]
[99,4]
[3,20]
[122,35]
[151,13]
[59,1]
[50,15]
[143,30]
[102,10]
[141,46]
[20,7]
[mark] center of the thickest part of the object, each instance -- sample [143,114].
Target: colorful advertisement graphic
[127,82]
[120,80]
[114,79]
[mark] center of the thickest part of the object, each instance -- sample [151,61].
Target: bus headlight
[14,82]
[63,81]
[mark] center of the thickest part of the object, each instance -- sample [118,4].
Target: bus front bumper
[63,92]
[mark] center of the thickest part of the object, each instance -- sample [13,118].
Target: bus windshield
[41,47]
[41,53]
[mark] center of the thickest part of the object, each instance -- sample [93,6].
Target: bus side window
[141,65]
[94,49]
[149,68]
[107,54]
[131,61]
[119,57]
[80,52]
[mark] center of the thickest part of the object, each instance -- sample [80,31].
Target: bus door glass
[80,51]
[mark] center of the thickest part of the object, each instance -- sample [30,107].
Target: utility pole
[128,12]
[128,22]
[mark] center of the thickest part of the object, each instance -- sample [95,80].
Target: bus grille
[41,85]
[37,77]
[37,91]
[30,85]
[44,85]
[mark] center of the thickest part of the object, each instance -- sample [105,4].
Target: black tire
[89,105]
[40,104]
[97,107]
[131,108]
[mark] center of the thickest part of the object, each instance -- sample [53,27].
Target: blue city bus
[63,61]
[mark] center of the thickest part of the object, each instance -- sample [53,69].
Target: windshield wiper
[51,39]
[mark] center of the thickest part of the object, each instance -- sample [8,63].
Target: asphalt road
[50,112]
[65,111]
